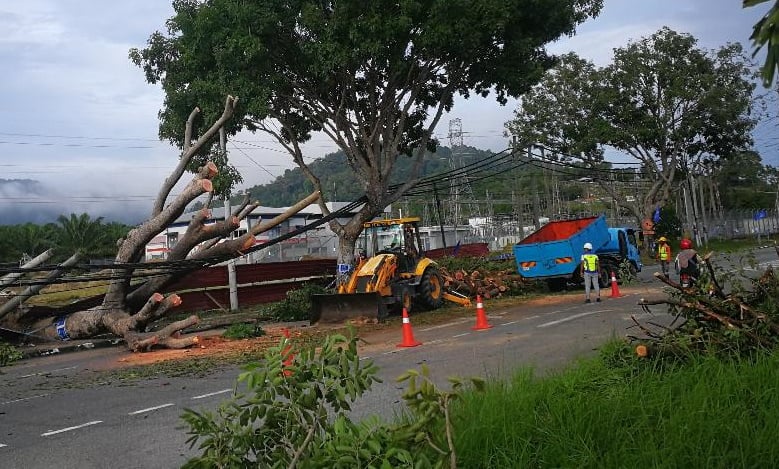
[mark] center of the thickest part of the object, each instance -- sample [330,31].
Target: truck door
[623,244]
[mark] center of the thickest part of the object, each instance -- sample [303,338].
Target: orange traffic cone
[614,287]
[408,334]
[481,316]
[286,355]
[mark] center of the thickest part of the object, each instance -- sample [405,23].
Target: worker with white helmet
[590,268]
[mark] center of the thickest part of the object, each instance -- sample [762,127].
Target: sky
[78,122]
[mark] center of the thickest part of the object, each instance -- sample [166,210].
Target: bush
[295,307]
[243,331]
[294,415]
[8,353]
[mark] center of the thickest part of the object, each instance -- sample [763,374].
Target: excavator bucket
[337,308]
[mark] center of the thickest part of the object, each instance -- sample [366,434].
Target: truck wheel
[604,277]
[431,289]
[556,284]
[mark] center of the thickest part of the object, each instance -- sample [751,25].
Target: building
[320,242]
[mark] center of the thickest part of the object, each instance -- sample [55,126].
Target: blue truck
[553,253]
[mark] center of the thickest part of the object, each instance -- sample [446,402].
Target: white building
[318,242]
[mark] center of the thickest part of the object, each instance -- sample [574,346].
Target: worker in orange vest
[664,254]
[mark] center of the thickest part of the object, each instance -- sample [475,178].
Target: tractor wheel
[407,300]
[431,289]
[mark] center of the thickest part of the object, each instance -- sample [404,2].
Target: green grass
[706,413]
[732,245]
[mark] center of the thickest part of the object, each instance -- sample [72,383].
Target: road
[50,418]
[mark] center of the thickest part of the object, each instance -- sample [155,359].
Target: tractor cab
[398,236]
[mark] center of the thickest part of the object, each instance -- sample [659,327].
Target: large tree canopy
[375,76]
[663,101]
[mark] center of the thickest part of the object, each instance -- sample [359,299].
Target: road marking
[212,393]
[2,445]
[508,323]
[434,341]
[23,399]
[151,409]
[571,318]
[47,372]
[441,326]
[461,335]
[364,358]
[535,316]
[389,352]
[54,432]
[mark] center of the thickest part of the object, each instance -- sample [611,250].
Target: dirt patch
[210,345]
[213,346]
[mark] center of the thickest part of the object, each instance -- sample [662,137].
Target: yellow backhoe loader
[392,273]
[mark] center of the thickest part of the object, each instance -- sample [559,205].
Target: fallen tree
[712,319]
[129,307]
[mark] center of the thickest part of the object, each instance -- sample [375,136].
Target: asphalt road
[50,418]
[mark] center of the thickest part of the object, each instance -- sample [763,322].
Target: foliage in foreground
[724,312]
[293,414]
[621,411]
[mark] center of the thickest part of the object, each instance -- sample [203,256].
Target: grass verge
[702,413]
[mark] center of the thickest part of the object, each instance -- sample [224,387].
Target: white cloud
[66,73]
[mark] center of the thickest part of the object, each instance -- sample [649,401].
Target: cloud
[28,200]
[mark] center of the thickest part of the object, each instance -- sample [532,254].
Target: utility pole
[438,211]
[231,276]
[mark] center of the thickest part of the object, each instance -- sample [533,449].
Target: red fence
[465,250]
[257,283]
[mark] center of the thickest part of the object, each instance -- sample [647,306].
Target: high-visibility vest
[664,251]
[590,263]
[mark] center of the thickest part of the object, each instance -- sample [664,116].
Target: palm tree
[80,233]
[27,239]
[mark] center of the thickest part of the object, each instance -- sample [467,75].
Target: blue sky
[79,118]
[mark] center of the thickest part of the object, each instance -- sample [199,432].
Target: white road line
[434,341]
[364,358]
[213,393]
[535,316]
[151,409]
[461,335]
[571,318]
[509,323]
[54,432]
[390,352]
[2,445]
[441,326]
[23,399]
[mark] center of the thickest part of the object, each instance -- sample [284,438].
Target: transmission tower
[460,190]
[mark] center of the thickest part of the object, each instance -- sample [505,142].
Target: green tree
[26,239]
[374,76]
[662,101]
[80,233]
[766,33]
[745,183]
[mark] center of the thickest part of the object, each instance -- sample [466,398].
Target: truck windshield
[632,238]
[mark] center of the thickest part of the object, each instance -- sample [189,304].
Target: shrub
[294,415]
[243,331]
[295,307]
[8,353]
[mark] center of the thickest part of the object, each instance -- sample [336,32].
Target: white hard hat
[588,246]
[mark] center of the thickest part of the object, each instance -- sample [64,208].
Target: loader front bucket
[337,308]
